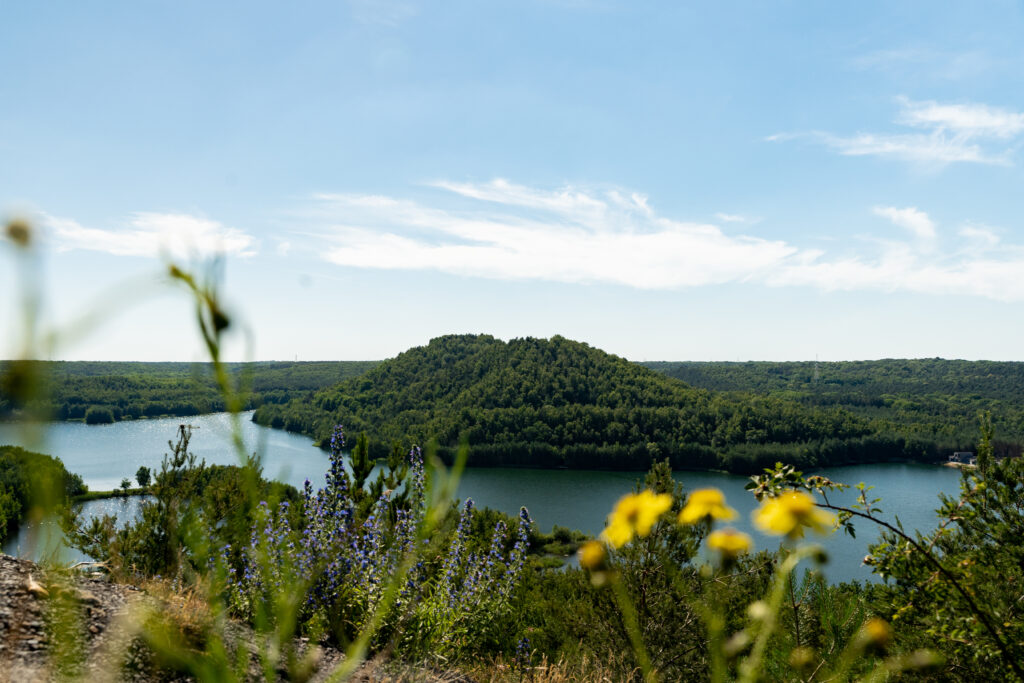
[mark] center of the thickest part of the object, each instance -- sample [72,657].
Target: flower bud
[876,632]
[592,555]
[758,610]
[19,232]
[736,644]
[801,658]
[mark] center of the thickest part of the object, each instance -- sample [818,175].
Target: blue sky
[708,181]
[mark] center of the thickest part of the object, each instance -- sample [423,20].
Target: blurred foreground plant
[962,583]
[752,651]
[335,564]
[352,573]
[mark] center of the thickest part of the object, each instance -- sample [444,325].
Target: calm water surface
[104,454]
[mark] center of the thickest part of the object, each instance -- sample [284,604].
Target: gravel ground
[45,614]
[27,628]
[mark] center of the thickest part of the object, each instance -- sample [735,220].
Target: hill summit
[562,403]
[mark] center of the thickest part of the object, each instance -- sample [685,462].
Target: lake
[104,454]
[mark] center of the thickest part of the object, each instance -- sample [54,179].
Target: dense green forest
[565,408]
[561,403]
[28,479]
[102,392]
[930,398]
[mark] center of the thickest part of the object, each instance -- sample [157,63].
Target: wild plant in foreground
[964,575]
[344,563]
[470,600]
[361,570]
[747,654]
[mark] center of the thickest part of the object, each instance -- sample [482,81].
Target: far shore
[116,493]
[960,465]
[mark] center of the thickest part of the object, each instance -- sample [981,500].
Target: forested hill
[100,391]
[929,397]
[852,380]
[557,402]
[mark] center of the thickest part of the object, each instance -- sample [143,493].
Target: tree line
[561,403]
[933,399]
[558,403]
[104,392]
[32,480]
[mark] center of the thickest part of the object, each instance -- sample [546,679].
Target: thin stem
[750,666]
[632,624]
[716,631]
[796,610]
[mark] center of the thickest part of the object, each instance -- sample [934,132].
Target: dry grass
[184,612]
[584,670]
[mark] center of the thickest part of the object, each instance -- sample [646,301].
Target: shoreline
[102,495]
[960,465]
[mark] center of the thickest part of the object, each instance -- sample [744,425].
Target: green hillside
[931,398]
[560,403]
[32,479]
[100,391]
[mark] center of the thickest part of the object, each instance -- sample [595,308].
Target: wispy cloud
[153,234]
[934,149]
[971,133]
[979,237]
[501,230]
[382,12]
[569,235]
[900,269]
[919,62]
[966,120]
[567,202]
[737,218]
[910,218]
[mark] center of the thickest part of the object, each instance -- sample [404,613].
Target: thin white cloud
[900,270]
[573,235]
[569,203]
[154,234]
[953,133]
[924,63]
[566,236]
[979,236]
[910,218]
[382,12]
[967,120]
[924,149]
[736,218]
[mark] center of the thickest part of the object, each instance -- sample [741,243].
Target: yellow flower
[635,514]
[790,512]
[730,543]
[705,503]
[592,555]
[876,632]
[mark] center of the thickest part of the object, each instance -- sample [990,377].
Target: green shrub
[96,415]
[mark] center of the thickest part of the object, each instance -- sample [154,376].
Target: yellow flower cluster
[635,515]
[876,631]
[730,543]
[788,514]
[705,504]
[592,555]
